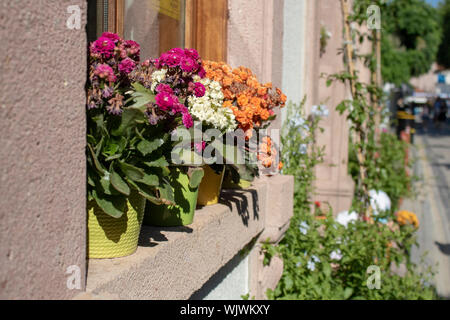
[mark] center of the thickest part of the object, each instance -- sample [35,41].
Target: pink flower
[179,108]
[165,100]
[104,71]
[192,53]
[133,48]
[103,46]
[127,65]
[178,51]
[200,146]
[112,36]
[187,120]
[199,89]
[202,72]
[157,63]
[188,65]
[164,88]
[171,59]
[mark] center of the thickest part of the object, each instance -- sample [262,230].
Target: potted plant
[252,104]
[162,86]
[119,145]
[214,121]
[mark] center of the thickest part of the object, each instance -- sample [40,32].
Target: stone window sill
[173,263]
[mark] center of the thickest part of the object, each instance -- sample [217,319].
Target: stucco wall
[255,40]
[294,49]
[42,136]
[333,183]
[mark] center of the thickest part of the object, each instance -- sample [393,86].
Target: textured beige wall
[42,139]
[333,183]
[255,37]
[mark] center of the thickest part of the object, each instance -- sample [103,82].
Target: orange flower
[242,100]
[227,104]
[243,93]
[262,91]
[406,217]
[227,81]
[255,101]
[228,94]
[280,165]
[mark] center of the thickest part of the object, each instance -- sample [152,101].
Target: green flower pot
[109,237]
[180,214]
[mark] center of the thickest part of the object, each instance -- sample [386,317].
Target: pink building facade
[43,169]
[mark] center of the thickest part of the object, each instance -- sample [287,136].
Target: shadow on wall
[218,278]
[444,248]
[152,236]
[239,199]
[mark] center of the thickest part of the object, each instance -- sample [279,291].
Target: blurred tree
[410,39]
[443,56]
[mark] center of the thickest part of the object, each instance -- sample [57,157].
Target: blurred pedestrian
[440,113]
[426,116]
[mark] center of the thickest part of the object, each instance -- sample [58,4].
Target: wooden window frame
[206,25]
[206,28]
[116,16]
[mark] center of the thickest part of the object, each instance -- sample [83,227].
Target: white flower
[298,264]
[303,148]
[303,227]
[209,109]
[311,265]
[336,255]
[320,111]
[157,77]
[345,217]
[379,201]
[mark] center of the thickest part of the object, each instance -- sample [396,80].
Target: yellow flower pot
[110,237]
[210,187]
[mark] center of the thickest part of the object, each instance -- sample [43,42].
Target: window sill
[173,263]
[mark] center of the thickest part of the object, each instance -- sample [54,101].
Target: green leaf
[141,97]
[149,193]
[128,121]
[111,205]
[146,147]
[119,184]
[166,192]
[106,186]
[149,179]
[196,177]
[90,178]
[97,164]
[134,173]
[160,162]
[348,293]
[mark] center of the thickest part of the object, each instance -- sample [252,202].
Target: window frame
[206,25]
